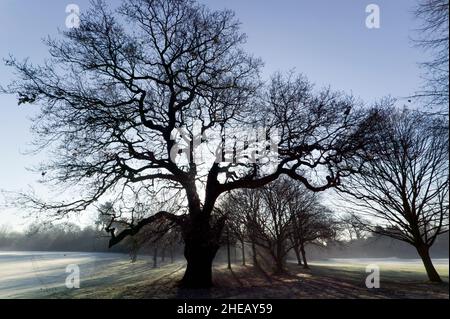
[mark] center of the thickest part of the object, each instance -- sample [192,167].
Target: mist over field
[111,275]
[34,264]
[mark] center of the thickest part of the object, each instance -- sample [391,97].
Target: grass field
[390,271]
[115,277]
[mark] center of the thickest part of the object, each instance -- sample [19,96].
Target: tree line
[276,219]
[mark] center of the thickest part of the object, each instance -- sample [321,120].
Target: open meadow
[103,275]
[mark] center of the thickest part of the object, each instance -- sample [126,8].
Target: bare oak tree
[404,187]
[115,89]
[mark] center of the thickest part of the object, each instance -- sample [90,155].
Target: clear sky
[327,40]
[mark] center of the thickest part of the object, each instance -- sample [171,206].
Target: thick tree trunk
[297,254]
[163,255]
[201,245]
[199,266]
[171,254]
[243,252]
[198,271]
[305,262]
[424,252]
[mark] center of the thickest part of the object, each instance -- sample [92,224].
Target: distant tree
[404,186]
[252,218]
[4,230]
[286,216]
[354,226]
[241,208]
[300,206]
[237,212]
[169,242]
[274,221]
[117,91]
[434,39]
[311,222]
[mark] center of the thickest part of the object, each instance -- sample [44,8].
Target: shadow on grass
[123,280]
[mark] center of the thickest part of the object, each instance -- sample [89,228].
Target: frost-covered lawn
[38,274]
[391,269]
[43,275]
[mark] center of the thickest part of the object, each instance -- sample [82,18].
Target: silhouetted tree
[314,225]
[286,216]
[312,222]
[404,187]
[354,226]
[241,209]
[274,221]
[117,88]
[237,218]
[301,203]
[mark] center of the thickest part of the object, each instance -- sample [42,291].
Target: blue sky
[326,40]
